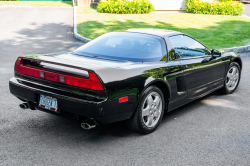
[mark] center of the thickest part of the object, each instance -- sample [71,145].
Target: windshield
[125,46]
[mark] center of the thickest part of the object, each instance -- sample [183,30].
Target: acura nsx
[131,75]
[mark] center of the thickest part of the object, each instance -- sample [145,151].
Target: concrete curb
[238,49]
[83,39]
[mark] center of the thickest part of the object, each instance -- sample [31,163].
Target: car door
[202,72]
[175,79]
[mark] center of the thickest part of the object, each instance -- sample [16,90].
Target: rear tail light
[92,82]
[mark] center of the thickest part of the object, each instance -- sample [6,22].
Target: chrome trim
[196,57]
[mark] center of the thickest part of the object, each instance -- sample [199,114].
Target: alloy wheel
[232,78]
[152,109]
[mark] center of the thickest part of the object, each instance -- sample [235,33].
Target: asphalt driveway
[247,8]
[214,130]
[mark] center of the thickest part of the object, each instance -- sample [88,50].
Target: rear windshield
[125,46]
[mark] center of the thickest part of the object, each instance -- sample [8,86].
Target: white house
[171,4]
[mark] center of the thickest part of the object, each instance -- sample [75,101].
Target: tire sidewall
[141,124]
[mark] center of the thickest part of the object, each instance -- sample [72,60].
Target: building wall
[172,4]
[169,4]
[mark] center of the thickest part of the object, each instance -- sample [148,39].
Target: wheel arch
[162,85]
[239,61]
[164,89]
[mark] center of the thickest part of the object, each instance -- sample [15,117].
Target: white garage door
[169,4]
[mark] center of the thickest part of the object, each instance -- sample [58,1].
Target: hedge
[125,6]
[217,7]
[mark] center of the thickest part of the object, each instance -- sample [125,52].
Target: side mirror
[215,53]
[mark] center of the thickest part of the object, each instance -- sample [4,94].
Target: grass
[37,3]
[215,31]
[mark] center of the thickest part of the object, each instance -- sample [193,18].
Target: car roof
[155,32]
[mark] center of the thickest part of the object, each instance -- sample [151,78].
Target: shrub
[125,6]
[219,8]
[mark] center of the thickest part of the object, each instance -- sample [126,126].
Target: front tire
[232,78]
[149,112]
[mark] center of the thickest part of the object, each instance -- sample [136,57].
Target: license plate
[48,102]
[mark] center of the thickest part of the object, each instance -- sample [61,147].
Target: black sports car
[134,75]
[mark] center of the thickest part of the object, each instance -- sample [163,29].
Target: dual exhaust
[85,123]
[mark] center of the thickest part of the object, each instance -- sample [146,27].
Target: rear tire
[149,112]
[232,78]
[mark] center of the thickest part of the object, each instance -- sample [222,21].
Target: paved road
[247,8]
[214,130]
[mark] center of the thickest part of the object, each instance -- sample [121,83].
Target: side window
[187,47]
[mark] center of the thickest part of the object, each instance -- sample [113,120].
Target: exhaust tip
[24,106]
[87,126]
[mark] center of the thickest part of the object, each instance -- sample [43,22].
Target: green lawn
[215,31]
[37,3]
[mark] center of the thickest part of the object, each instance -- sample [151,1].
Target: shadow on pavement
[42,39]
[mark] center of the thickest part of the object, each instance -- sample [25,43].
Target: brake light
[92,82]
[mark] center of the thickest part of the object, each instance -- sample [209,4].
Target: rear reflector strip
[123,99]
[92,82]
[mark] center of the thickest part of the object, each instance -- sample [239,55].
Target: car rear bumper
[103,112]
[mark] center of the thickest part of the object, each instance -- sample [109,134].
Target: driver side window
[187,47]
